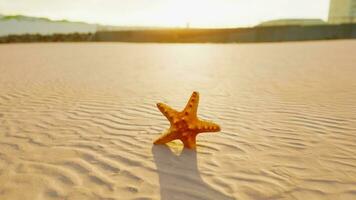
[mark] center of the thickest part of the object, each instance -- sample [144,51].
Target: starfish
[185,125]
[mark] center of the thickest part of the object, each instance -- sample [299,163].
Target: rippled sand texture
[77,121]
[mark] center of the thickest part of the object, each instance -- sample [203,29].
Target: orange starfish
[185,125]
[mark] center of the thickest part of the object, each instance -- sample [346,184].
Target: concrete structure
[342,11]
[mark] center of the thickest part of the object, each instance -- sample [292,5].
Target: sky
[172,13]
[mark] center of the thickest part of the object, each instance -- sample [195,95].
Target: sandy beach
[77,121]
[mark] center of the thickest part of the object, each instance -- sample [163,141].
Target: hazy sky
[202,13]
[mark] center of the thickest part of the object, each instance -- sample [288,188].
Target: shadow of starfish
[179,176]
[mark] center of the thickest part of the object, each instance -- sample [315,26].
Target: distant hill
[292,22]
[20,24]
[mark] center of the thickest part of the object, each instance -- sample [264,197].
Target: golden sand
[77,121]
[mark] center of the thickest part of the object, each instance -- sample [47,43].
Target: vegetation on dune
[22,17]
[72,37]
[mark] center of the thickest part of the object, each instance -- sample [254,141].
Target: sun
[181,13]
[176,13]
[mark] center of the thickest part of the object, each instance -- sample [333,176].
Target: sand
[77,121]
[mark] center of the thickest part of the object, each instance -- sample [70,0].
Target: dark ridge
[236,35]
[27,38]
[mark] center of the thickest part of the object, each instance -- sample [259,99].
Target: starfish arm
[207,126]
[167,111]
[189,142]
[168,136]
[192,106]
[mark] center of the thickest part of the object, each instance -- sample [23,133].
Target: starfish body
[185,125]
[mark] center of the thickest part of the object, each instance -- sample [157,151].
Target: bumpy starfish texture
[185,125]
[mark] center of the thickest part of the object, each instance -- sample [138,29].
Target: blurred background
[112,20]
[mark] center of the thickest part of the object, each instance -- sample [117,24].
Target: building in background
[342,11]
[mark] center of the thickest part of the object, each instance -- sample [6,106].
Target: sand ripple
[77,121]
